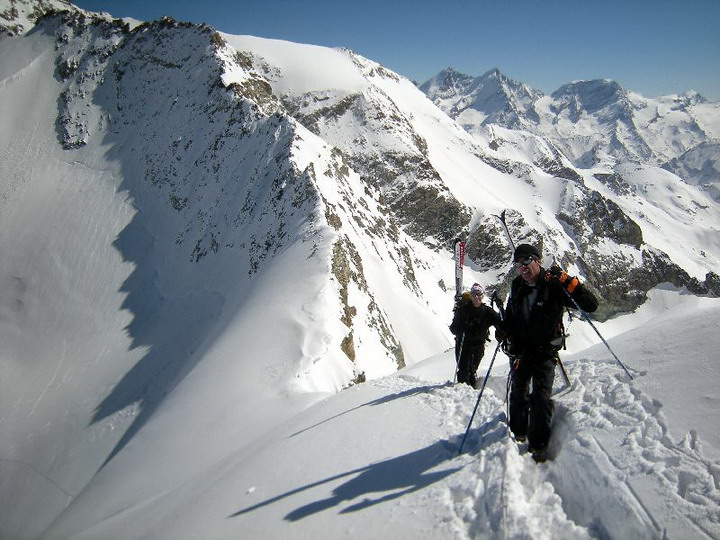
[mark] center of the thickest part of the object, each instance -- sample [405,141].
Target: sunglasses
[524,262]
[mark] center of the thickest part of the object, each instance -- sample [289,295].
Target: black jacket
[474,322]
[543,329]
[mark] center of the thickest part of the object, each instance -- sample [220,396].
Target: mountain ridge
[596,123]
[379,129]
[381,141]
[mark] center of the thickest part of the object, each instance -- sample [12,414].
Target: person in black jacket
[471,327]
[533,328]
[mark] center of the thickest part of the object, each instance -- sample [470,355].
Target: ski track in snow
[612,433]
[52,379]
[608,438]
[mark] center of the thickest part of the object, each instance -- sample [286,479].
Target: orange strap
[572,285]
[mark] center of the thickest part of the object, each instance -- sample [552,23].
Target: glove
[555,274]
[500,336]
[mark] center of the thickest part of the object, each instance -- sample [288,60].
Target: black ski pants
[531,411]
[469,362]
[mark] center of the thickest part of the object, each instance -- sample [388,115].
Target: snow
[709,118]
[145,397]
[302,68]
[381,459]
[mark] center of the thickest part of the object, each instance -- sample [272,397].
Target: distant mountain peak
[592,95]
[689,98]
[501,99]
[495,73]
[448,82]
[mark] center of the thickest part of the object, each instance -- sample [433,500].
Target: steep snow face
[60,301]
[239,177]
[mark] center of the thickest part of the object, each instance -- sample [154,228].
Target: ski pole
[562,370]
[482,389]
[457,357]
[587,318]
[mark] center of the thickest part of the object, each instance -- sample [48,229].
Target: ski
[459,258]
[459,252]
[501,217]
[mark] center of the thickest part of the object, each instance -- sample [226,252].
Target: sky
[655,47]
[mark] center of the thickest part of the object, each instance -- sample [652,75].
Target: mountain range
[595,123]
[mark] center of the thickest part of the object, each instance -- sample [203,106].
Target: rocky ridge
[220,159]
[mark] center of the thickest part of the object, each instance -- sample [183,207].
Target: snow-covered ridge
[594,123]
[621,463]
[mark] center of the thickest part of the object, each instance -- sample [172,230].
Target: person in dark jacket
[471,327]
[534,331]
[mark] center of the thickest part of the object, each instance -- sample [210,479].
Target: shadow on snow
[380,401]
[389,480]
[392,478]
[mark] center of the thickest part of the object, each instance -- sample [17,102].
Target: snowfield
[380,460]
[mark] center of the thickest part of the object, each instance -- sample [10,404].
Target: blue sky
[655,47]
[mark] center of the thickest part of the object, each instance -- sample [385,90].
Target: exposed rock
[616,183]
[425,211]
[595,217]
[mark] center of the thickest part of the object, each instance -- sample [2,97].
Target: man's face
[476,299]
[528,268]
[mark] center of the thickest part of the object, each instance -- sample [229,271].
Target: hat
[526,250]
[477,289]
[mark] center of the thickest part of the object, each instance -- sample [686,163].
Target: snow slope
[380,460]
